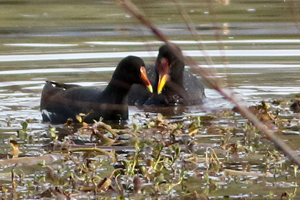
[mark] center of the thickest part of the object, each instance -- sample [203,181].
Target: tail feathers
[61,85]
[53,117]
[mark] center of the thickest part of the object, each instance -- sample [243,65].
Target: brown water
[252,45]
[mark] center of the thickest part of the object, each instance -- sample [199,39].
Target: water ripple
[192,53]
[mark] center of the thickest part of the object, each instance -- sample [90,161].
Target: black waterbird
[172,84]
[62,101]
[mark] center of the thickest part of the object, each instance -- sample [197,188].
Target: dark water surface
[252,45]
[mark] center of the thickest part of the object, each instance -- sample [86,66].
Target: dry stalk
[191,27]
[215,83]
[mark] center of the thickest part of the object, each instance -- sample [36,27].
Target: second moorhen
[172,84]
[62,101]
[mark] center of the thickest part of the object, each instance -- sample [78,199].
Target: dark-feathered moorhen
[172,84]
[62,101]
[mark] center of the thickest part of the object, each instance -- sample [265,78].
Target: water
[253,47]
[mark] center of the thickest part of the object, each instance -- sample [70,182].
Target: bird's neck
[177,78]
[118,90]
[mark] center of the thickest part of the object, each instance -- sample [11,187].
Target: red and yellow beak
[145,79]
[163,73]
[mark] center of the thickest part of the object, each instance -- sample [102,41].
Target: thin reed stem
[214,82]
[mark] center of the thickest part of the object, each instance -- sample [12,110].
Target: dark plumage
[295,107]
[62,101]
[172,84]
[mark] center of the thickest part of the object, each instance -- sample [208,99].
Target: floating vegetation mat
[215,156]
